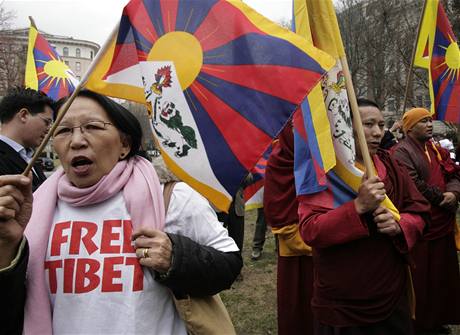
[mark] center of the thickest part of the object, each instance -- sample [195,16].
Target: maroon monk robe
[295,273]
[436,274]
[360,274]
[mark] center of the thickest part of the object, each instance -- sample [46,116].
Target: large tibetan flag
[45,70]
[221,79]
[437,50]
[323,133]
[324,146]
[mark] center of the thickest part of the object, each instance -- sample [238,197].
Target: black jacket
[199,270]
[12,163]
[13,296]
[196,271]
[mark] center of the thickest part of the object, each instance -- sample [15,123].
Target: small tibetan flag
[45,70]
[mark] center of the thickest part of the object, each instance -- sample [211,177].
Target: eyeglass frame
[105,123]
[48,122]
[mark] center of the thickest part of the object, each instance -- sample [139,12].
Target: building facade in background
[77,54]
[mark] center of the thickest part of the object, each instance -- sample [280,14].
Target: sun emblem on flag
[451,62]
[54,76]
[55,72]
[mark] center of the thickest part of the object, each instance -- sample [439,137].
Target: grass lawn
[251,302]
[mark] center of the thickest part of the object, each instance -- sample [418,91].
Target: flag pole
[358,126]
[32,22]
[411,67]
[72,97]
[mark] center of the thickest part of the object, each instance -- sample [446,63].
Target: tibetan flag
[438,51]
[323,132]
[221,81]
[324,146]
[254,192]
[45,70]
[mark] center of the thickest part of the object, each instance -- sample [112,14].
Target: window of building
[78,66]
[66,62]
[91,54]
[65,51]
[79,78]
[77,52]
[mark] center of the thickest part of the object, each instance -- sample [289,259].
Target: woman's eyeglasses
[90,127]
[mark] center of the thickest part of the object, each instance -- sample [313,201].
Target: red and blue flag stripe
[445,70]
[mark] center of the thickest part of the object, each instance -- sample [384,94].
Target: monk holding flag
[436,276]
[436,273]
[360,249]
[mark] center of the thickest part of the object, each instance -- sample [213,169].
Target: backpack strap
[167,191]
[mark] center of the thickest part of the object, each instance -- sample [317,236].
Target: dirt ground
[251,301]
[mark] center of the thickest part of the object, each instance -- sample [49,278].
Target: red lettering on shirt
[138,274]
[87,239]
[86,270]
[83,275]
[109,274]
[127,233]
[58,237]
[70,270]
[108,236]
[52,267]
[69,266]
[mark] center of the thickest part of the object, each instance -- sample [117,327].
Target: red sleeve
[322,227]
[412,226]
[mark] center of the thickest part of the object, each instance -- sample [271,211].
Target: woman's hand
[371,193]
[15,212]
[153,248]
[386,223]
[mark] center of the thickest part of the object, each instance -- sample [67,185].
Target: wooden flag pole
[411,67]
[358,126]
[32,22]
[69,101]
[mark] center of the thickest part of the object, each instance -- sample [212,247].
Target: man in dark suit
[26,116]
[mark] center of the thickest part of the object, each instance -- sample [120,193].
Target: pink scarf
[144,200]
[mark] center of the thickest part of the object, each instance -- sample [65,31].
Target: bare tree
[12,53]
[378,37]
[12,63]
[453,12]
[6,17]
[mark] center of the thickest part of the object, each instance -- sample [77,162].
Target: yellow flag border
[31,78]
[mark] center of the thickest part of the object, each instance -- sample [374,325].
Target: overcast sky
[93,20]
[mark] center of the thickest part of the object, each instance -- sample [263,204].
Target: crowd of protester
[95,250]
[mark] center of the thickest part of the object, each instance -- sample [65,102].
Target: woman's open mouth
[81,165]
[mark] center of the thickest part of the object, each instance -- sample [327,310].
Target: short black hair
[121,118]
[20,97]
[363,102]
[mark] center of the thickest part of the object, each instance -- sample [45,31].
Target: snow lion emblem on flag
[167,121]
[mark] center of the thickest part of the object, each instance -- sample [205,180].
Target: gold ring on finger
[145,253]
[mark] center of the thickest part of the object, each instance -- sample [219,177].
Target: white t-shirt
[95,281]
